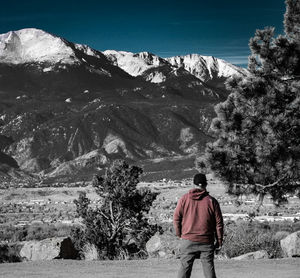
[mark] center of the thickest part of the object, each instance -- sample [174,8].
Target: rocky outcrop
[262,254]
[290,245]
[163,246]
[48,249]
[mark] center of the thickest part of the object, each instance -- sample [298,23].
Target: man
[198,222]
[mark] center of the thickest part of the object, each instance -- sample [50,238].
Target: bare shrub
[243,237]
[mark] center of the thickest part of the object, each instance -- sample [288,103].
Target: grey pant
[189,251]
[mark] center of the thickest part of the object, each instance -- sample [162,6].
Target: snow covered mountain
[204,68]
[52,52]
[35,63]
[71,109]
[134,63]
[34,45]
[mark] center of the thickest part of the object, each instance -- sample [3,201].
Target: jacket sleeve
[177,218]
[219,223]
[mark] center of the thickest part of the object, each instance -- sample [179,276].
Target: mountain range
[67,110]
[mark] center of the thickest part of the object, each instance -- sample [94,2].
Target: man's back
[198,217]
[198,221]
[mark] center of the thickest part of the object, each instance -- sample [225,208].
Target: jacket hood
[197,194]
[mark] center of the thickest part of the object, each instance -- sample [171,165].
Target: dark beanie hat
[200,179]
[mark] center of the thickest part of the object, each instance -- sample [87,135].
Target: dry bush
[280,235]
[9,253]
[243,237]
[34,232]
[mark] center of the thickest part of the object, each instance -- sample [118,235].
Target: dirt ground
[152,268]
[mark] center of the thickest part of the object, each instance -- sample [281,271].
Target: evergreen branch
[264,187]
[104,215]
[111,212]
[261,186]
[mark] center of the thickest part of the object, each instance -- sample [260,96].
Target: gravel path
[152,268]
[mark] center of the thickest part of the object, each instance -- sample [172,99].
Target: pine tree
[119,225]
[258,127]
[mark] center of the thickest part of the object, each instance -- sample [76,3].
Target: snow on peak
[37,46]
[87,50]
[134,63]
[203,67]
[150,58]
[34,45]
[156,77]
[206,67]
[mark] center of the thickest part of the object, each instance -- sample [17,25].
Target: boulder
[48,249]
[90,252]
[262,254]
[290,245]
[163,245]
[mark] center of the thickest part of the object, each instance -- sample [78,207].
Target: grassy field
[287,268]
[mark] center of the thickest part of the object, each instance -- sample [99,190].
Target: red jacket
[198,217]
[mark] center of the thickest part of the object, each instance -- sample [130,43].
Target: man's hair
[200,180]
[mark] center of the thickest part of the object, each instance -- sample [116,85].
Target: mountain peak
[206,67]
[34,45]
[134,63]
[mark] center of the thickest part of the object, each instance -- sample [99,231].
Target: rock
[162,254]
[290,245]
[48,249]
[154,244]
[262,254]
[90,252]
[163,245]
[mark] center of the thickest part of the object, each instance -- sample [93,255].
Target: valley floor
[287,268]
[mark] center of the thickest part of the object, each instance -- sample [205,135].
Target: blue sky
[220,28]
